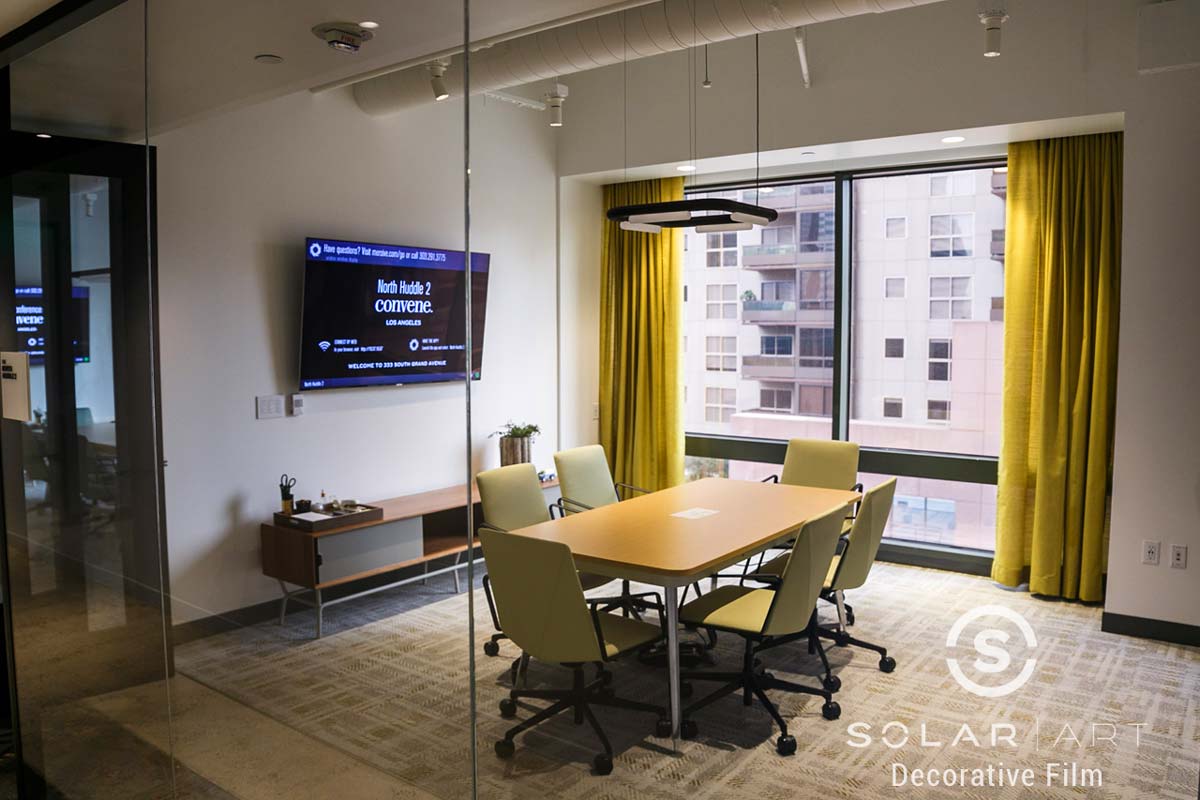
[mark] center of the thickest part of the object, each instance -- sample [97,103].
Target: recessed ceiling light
[268,58]
[44,136]
[368,24]
[953,139]
[686,168]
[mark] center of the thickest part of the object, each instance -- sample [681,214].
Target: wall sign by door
[14,381]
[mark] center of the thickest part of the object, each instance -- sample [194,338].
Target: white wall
[237,195]
[922,70]
[579,309]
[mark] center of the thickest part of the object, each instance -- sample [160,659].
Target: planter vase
[515,450]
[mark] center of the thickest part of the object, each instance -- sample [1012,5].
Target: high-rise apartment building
[926,329]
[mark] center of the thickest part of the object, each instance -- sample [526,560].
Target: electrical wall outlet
[269,406]
[1150,551]
[1179,556]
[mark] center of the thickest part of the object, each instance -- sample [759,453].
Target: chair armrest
[770,479]
[576,506]
[631,488]
[491,527]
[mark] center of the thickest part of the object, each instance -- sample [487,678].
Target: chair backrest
[804,575]
[822,463]
[865,535]
[512,497]
[538,598]
[583,476]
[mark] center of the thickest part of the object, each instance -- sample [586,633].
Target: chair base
[579,698]
[753,682]
[842,639]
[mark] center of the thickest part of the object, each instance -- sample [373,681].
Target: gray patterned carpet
[389,685]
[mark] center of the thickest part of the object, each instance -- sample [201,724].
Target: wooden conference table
[650,540]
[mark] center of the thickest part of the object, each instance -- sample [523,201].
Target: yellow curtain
[1061,292]
[641,309]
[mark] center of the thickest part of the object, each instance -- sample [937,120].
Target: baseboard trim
[1145,628]
[950,559]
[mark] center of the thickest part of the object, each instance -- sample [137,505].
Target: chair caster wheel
[688,729]
[849,617]
[832,684]
[786,745]
[602,764]
[686,689]
[662,729]
[505,748]
[606,677]
[887,664]
[842,639]
[508,708]
[491,648]
[831,710]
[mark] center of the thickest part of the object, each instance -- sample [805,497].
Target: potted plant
[516,442]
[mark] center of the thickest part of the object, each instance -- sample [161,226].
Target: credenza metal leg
[283,602]
[320,610]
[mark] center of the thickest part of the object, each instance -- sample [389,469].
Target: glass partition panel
[85,575]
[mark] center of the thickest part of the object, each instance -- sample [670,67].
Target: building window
[774,399]
[778,291]
[721,249]
[722,301]
[938,411]
[816,401]
[776,344]
[997,312]
[720,353]
[893,348]
[782,231]
[893,287]
[939,360]
[893,407]
[952,183]
[719,404]
[950,297]
[816,232]
[816,289]
[895,228]
[816,347]
[951,235]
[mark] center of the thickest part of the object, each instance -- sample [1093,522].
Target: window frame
[955,467]
[970,238]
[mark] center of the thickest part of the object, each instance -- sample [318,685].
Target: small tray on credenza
[333,519]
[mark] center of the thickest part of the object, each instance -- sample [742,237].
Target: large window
[720,353]
[721,249]
[885,328]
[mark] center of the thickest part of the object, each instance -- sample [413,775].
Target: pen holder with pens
[285,492]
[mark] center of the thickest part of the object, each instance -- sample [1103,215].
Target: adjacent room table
[675,537]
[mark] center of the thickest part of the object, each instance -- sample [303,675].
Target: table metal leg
[670,594]
[320,609]
[457,584]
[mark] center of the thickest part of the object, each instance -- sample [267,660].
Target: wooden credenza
[415,529]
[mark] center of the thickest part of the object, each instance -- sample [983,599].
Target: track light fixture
[437,72]
[992,19]
[554,101]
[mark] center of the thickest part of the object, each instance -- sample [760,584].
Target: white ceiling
[90,82]
[15,13]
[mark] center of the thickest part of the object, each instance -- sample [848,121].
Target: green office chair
[768,618]
[822,463]
[586,483]
[511,498]
[850,567]
[535,589]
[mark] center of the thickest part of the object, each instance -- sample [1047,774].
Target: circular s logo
[993,657]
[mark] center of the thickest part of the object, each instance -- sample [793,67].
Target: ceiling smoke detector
[345,37]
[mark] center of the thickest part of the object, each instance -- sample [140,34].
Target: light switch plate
[297,405]
[1179,556]
[269,406]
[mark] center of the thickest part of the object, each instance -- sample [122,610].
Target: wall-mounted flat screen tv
[33,322]
[388,315]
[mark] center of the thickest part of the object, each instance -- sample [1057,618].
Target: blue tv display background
[386,315]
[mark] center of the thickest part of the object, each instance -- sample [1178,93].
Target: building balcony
[786,312]
[786,368]
[789,198]
[773,256]
[1000,184]
[998,245]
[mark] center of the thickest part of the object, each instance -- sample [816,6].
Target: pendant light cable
[757,123]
